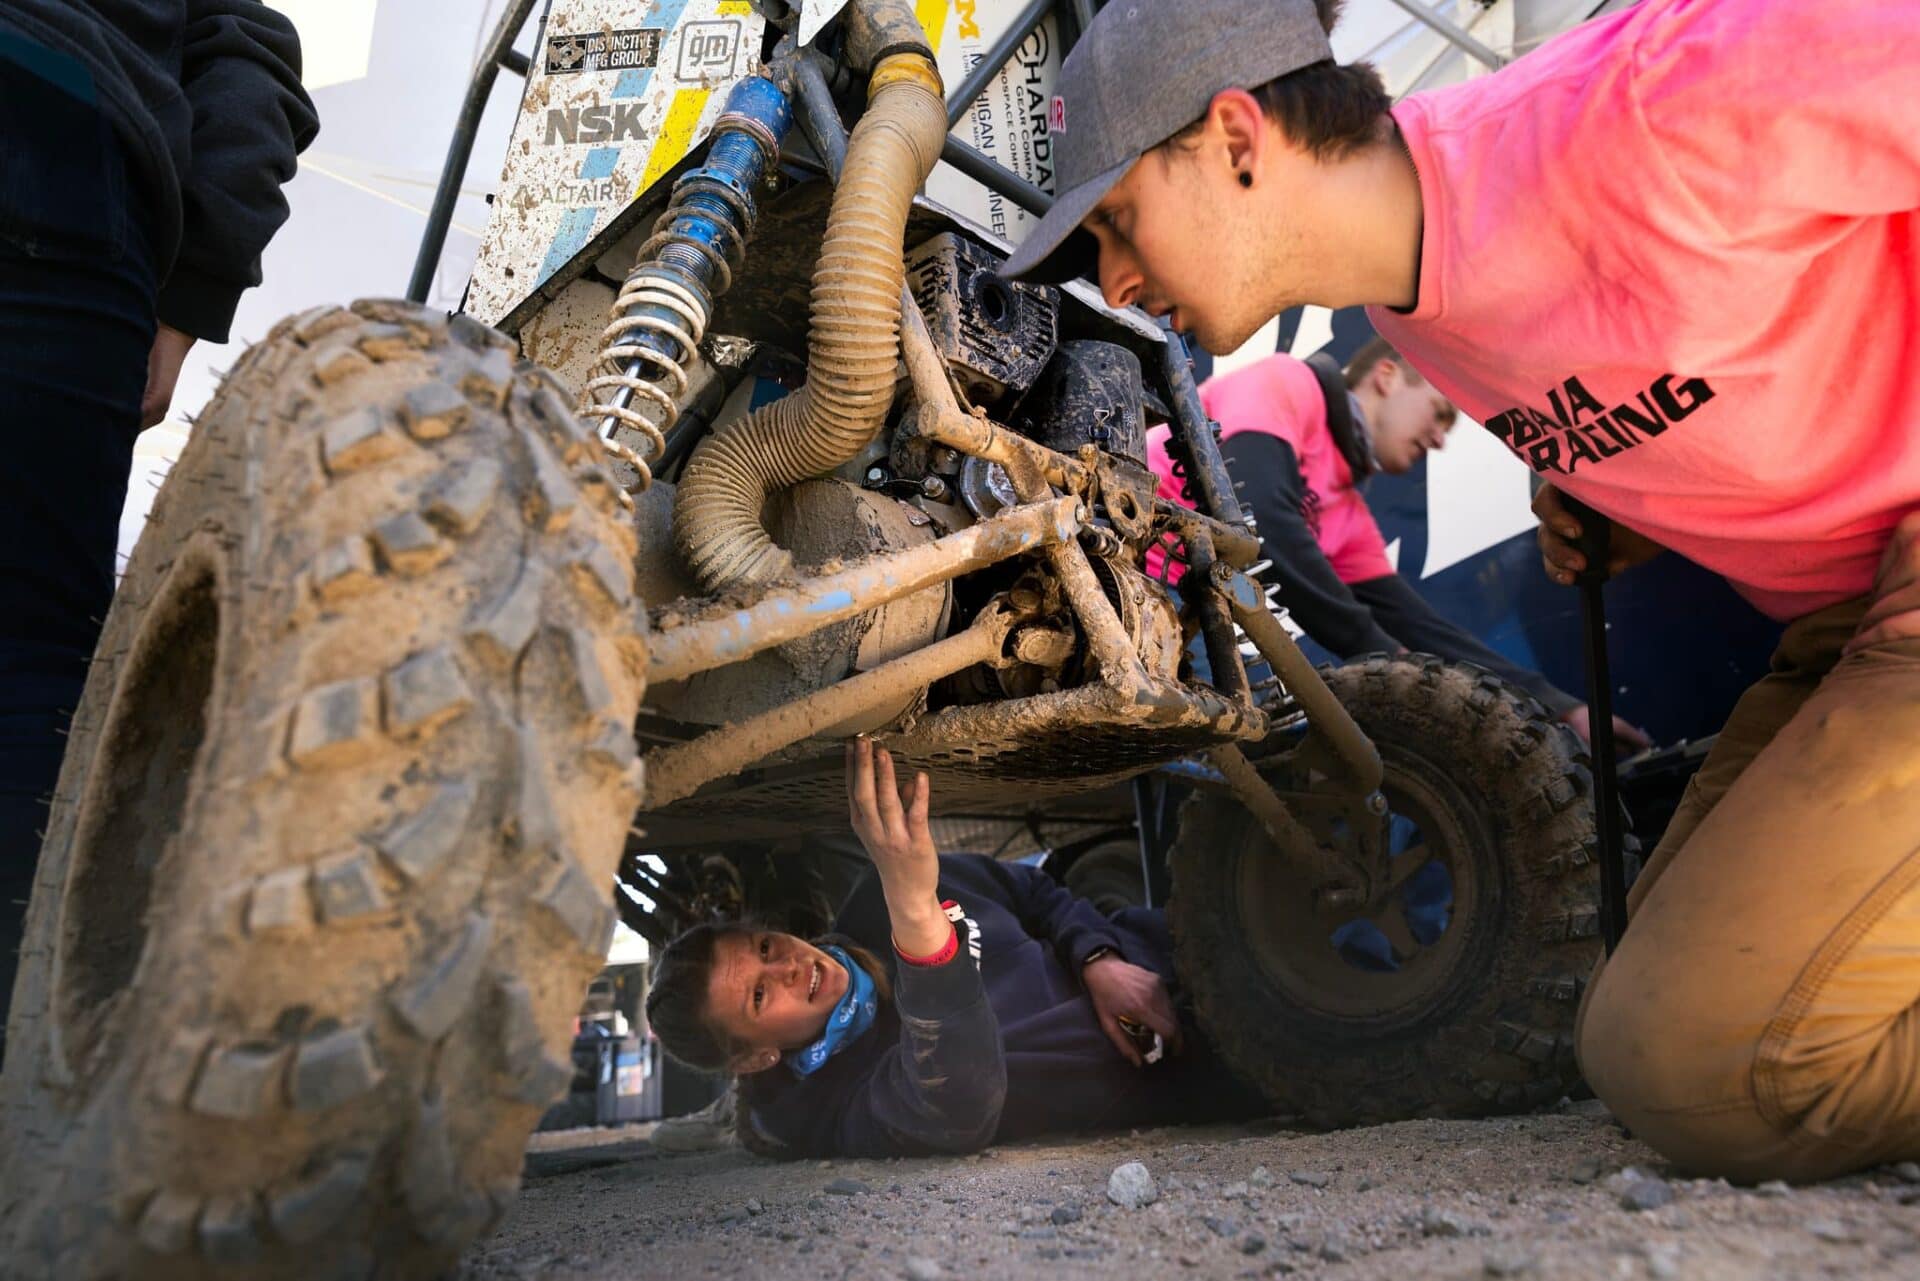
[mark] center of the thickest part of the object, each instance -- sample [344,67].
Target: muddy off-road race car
[739,447]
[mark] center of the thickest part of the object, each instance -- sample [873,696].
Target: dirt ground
[1564,1194]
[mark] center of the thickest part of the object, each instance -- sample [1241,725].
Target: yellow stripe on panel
[676,134]
[933,16]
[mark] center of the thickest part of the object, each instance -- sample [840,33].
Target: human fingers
[886,791]
[860,787]
[920,799]
[1121,1041]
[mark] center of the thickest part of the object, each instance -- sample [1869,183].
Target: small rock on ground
[846,1187]
[1311,1178]
[1507,1262]
[1663,1262]
[919,1269]
[1131,1186]
[1435,1222]
[1645,1194]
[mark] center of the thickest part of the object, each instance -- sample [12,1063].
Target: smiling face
[770,993]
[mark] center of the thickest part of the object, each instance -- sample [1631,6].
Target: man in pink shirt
[1672,260]
[1300,438]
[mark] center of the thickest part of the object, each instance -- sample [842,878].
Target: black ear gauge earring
[1246,179]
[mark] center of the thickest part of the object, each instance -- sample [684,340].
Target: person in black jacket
[959,1002]
[143,145]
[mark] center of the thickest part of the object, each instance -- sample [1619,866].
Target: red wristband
[941,957]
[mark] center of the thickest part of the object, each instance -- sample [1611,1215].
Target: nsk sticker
[603,51]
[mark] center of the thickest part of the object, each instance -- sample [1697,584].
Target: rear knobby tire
[1489,1026]
[331,857]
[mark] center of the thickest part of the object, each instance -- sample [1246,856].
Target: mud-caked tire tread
[392,876]
[1499,1038]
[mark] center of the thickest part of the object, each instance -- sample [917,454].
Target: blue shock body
[703,235]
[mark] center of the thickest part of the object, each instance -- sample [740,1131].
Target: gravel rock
[846,1187]
[1645,1193]
[1310,1178]
[1043,1233]
[1235,1191]
[1131,1186]
[1262,1177]
[1773,1187]
[1336,1248]
[1221,1227]
[1252,1243]
[1435,1222]
[1584,1171]
[1663,1261]
[1065,1214]
[1908,1171]
[1507,1261]
[1831,1230]
[754,1207]
[919,1269]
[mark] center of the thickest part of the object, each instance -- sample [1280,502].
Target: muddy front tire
[331,856]
[1476,1020]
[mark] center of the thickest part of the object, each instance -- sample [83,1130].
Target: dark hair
[682,976]
[1328,109]
[677,997]
[1371,353]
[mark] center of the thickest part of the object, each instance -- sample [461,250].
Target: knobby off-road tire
[1109,876]
[332,853]
[1482,1021]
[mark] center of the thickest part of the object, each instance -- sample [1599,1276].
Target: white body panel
[620,91]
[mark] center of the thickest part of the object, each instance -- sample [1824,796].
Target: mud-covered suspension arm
[1353,765]
[679,771]
[731,633]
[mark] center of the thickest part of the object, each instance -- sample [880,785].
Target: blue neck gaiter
[851,1017]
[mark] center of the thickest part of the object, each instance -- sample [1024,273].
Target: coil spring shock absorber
[661,312]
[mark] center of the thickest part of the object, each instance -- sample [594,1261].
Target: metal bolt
[935,488]
[1377,805]
[876,475]
[1336,900]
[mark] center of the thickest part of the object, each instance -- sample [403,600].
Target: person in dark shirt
[143,146]
[958,1002]
[1301,438]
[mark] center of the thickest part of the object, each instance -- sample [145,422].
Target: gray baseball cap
[1143,71]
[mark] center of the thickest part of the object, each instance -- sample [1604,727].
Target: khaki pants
[1761,1018]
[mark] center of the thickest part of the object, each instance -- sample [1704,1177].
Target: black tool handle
[1595,543]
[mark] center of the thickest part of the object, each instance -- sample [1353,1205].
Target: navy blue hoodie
[1008,1046]
[205,97]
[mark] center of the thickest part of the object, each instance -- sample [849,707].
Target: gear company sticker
[603,51]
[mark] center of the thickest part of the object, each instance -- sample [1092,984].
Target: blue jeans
[77,287]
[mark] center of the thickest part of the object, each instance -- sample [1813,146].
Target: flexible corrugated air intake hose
[853,345]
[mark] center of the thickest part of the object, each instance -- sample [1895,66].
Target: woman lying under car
[959,1002]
